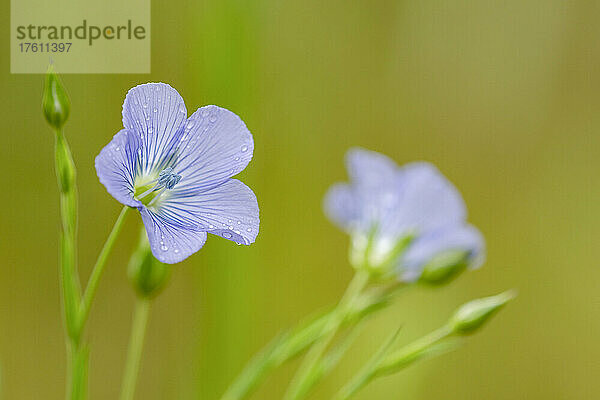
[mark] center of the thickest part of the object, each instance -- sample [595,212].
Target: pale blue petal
[170,243]
[424,201]
[156,113]
[229,210]
[116,167]
[461,237]
[215,146]
[370,170]
[342,207]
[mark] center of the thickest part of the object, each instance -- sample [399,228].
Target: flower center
[149,192]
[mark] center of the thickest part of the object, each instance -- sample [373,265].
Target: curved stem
[92,286]
[136,345]
[302,381]
[290,344]
[395,362]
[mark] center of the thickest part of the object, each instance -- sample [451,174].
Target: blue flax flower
[384,205]
[177,171]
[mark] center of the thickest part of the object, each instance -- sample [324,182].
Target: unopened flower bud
[55,103]
[472,315]
[445,266]
[147,275]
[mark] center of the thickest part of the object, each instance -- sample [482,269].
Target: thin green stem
[303,380]
[136,345]
[69,278]
[92,286]
[290,344]
[395,362]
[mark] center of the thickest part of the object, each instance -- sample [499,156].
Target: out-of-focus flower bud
[55,103]
[444,267]
[472,315]
[147,275]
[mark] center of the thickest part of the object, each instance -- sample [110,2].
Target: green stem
[69,278]
[92,286]
[290,344]
[303,380]
[136,344]
[395,362]
[77,388]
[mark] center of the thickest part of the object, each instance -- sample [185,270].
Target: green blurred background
[502,96]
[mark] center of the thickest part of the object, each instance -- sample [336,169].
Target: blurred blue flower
[177,171]
[384,205]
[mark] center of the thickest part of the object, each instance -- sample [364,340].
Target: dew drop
[145,105]
[176,251]
[249,230]
[213,118]
[211,226]
[190,124]
[239,222]
[244,148]
[237,159]
[227,235]
[164,248]
[155,109]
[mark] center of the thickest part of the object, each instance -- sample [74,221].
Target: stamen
[168,179]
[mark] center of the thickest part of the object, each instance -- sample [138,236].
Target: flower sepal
[474,314]
[445,267]
[55,104]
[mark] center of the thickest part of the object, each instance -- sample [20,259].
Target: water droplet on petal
[176,251]
[244,148]
[227,235]
[164,248]
[155,109]
[249,229]
[213,118]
